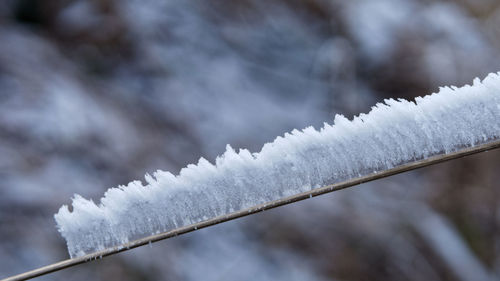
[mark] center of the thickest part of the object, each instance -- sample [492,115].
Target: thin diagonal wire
[259,208]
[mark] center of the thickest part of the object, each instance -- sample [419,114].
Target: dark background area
[94,94]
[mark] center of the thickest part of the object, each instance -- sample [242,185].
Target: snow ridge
[393,133]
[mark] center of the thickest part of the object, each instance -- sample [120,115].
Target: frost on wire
[393,133]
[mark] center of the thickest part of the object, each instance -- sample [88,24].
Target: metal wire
[259,208]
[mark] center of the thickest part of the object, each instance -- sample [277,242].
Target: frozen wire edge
[270,205]
[392,134]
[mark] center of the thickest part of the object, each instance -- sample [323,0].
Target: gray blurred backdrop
[94,94]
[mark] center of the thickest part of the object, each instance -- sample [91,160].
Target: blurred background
[97,93]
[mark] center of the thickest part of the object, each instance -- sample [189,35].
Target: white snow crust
[391,134]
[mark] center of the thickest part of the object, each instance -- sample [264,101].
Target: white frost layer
[392,133]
